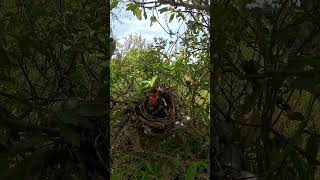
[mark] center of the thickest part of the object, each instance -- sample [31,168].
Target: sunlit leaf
[171,17]
[162,10]
[137,12]
[114,4]
[191,171]
[153,19]
[132,6]
[154,80]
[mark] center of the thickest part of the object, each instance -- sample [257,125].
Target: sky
[127,24]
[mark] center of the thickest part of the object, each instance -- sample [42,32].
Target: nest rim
[154,122]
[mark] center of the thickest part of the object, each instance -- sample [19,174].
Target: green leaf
[153,19]
[191,171]
[171,18]
[114,4]
[145,14]
[146,89]
[132,6]
[113,177]
[162,10]
[135,8]
[137,13]
[66,47]
[149,167]
[296,116]
[154,80]
[132,100]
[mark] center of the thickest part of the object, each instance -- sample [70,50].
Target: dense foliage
[265,85]
[174,152]
[53,89]
[183,152]
[264,103]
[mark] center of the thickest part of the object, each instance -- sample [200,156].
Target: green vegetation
[267,84]
[180,153]
[53,58]
[54,87]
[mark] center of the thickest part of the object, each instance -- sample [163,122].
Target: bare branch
[177,4]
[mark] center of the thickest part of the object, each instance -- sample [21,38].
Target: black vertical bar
[215,64]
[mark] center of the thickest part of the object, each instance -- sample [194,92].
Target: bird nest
[157,125]
[138,127]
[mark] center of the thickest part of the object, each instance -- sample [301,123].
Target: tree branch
[176,4]
[7,119]
[186,5]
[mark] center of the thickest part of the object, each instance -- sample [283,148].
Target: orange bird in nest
[153,96]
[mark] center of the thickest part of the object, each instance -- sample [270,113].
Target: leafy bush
[172,155]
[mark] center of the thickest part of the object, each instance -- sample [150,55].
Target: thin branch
[177,4]
[22,101]
[9,120]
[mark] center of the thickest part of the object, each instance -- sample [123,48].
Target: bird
[157,105]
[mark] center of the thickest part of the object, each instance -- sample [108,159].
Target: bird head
[159,89]
[153,97]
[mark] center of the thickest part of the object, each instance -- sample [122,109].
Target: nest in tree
[157,125]
[139,122]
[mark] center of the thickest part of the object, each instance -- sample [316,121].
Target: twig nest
[154,124]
